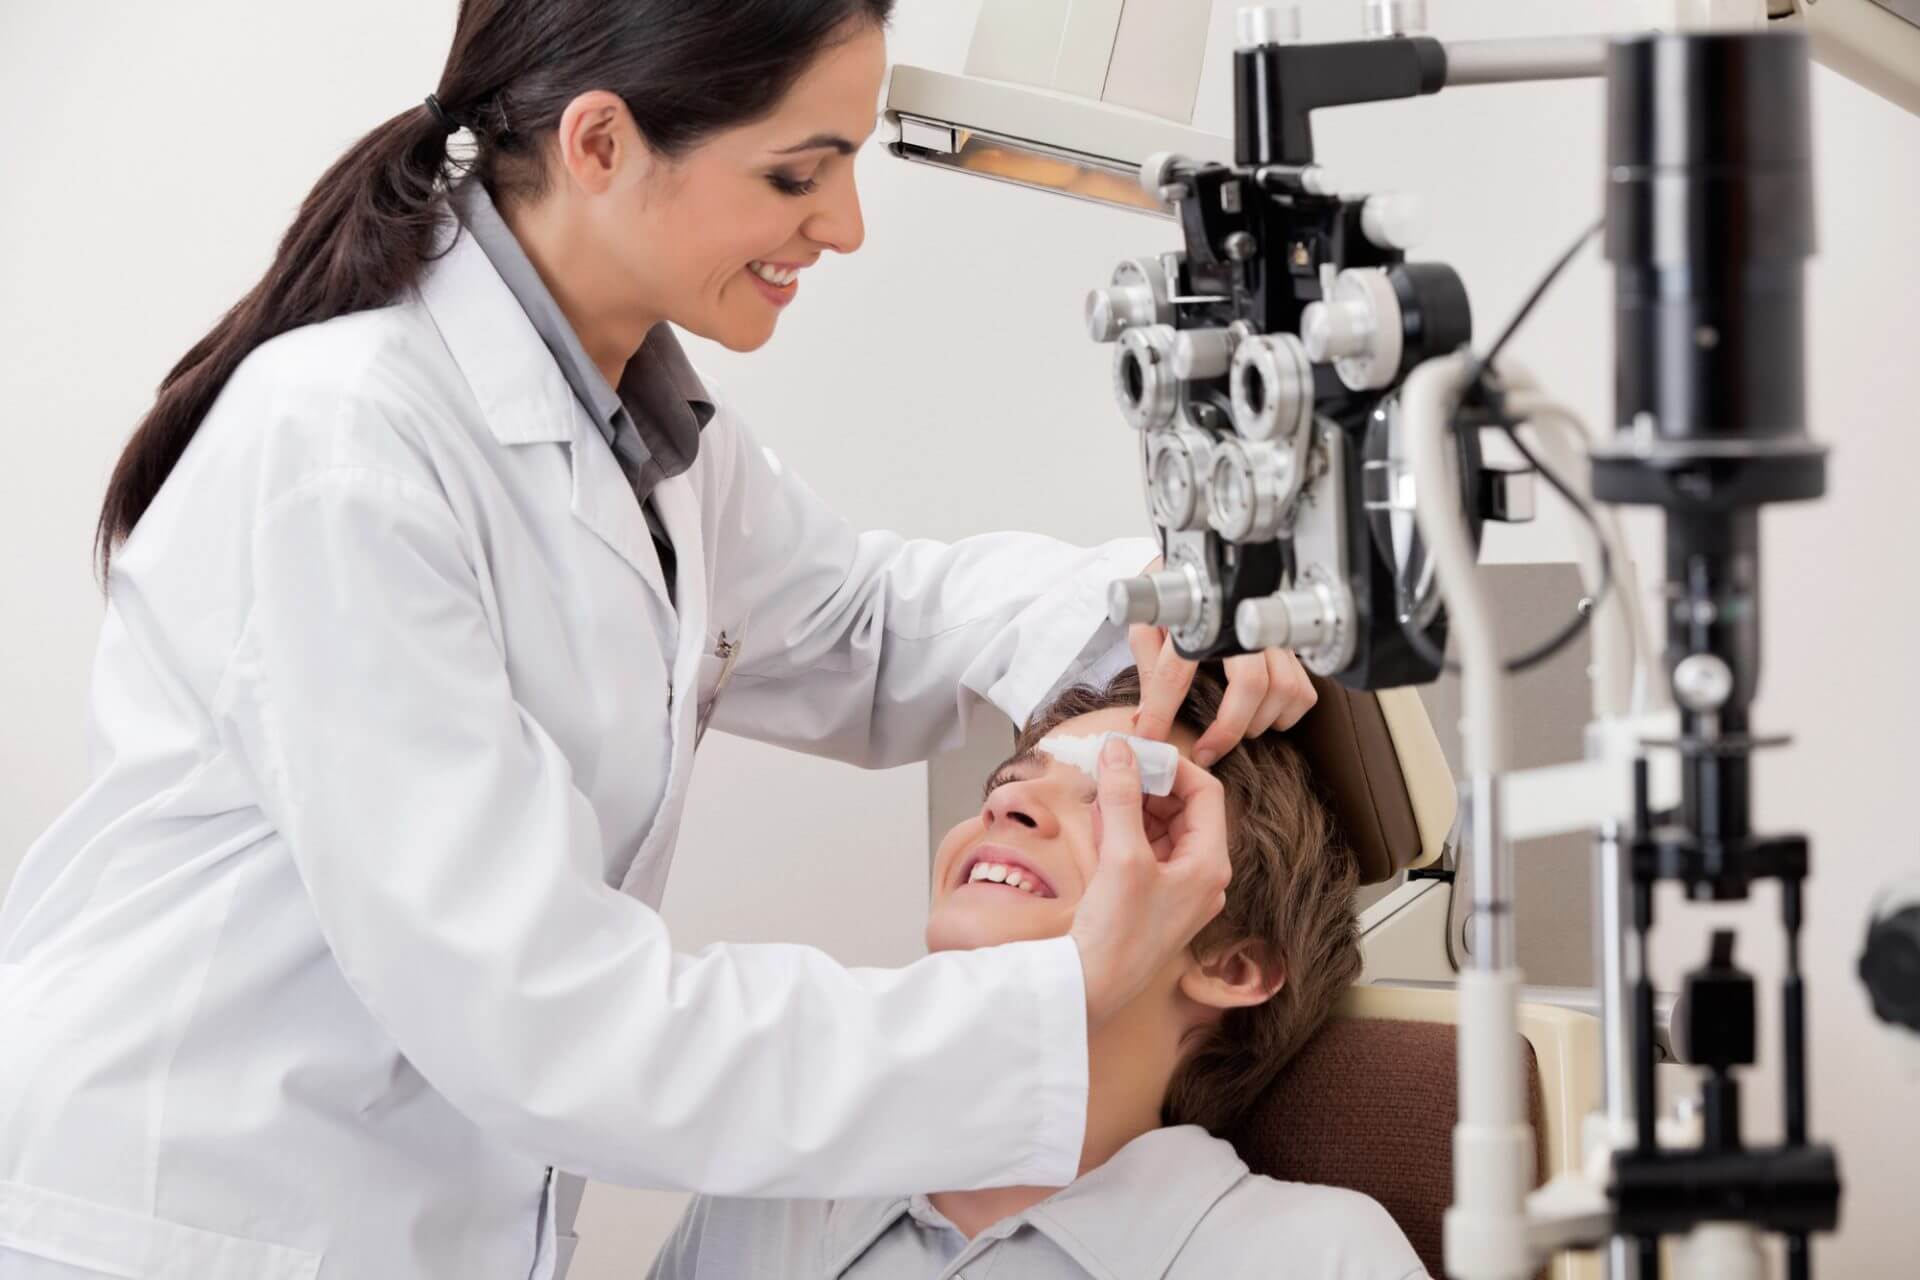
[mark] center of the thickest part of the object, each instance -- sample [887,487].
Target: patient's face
[1039,822]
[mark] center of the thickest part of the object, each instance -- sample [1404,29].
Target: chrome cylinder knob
[1112,311]
[1258,24]
[1358,328]
[1312,619]
[1702,682]
[1393,220]
[1136,297]
[1336,330]
[1201,354]
[1132,601]
[1395,18]
[1272,387]
[1268,622]
[1249,490]
[1143,380]
[1157,170]
[1168,598]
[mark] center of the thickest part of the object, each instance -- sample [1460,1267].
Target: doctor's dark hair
[1291,898]
[687,69]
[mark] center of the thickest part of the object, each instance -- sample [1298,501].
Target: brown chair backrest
[1352,756]
[1369,1104]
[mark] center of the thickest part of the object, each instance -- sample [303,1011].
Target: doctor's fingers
[1247,685]
[1197,831]
[1122,832]
[1290,694]
[1163,687]
[1146,643]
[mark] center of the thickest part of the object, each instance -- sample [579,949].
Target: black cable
[1492,396]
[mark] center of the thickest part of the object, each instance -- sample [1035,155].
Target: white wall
[939,382]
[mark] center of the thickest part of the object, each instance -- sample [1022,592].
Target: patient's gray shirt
[1173,1204]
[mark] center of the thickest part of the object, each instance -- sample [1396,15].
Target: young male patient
[1158,1197]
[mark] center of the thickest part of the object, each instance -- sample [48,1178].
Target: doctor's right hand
[1161,878]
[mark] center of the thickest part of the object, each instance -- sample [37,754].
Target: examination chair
[1370,1102]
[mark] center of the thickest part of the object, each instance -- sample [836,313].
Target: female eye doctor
[425,570]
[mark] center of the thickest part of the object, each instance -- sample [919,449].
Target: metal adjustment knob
[1258,24]
[1132,600]
[1312,619]
[1249,489]
[1702,682]
[1272,387]
[1393,220]
[1358,328]
[1336,330]
[1268,623]
[1137,296]
[1169,598]
[1177,466]
[1112,311]
[1143,380]
[1396,18]
[1156,171]
[1200,354]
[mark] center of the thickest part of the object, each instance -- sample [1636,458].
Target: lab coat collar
[1127,1220]
[526,399]
[522,393]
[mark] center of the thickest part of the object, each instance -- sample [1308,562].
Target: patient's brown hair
[1292,895]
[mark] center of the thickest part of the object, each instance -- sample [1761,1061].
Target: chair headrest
[1379,765]
[1369,1104]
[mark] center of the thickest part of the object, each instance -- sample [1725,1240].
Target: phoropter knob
[1168,598]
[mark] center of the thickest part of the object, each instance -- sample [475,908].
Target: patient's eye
[1019,768]
[1001,777]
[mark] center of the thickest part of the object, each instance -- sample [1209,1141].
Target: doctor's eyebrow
[821,141]
[825,141]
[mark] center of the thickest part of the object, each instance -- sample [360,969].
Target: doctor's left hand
[1265,691]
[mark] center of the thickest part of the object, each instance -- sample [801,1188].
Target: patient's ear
[1234,977]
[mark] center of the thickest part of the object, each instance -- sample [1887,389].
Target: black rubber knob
[1890,966]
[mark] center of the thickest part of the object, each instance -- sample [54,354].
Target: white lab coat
[352,935]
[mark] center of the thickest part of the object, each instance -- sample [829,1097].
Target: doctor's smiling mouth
[823,158]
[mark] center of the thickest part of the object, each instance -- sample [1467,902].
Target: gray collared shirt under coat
[653,419]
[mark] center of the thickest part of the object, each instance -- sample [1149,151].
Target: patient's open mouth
[991,865]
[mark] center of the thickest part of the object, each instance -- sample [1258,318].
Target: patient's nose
[1019,804]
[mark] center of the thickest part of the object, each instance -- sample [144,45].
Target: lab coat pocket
[81,1238]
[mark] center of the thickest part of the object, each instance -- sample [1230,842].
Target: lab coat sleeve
[869,647]
[455,871]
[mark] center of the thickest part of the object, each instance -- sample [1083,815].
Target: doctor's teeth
[777,276]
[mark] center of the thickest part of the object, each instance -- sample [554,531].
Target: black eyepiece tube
[1709,226]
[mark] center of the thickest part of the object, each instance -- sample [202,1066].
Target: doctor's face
[718,240]
[1015,871]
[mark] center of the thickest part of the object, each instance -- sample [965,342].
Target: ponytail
[362,238]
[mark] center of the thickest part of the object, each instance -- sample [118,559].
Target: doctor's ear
[599,144]
[1236,977]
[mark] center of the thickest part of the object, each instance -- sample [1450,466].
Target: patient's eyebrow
[1018,761]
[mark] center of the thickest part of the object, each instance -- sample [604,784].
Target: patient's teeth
[997,873]
[979,872]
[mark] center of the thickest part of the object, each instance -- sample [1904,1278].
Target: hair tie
[447,122]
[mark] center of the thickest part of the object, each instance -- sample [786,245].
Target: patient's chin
[958,925]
